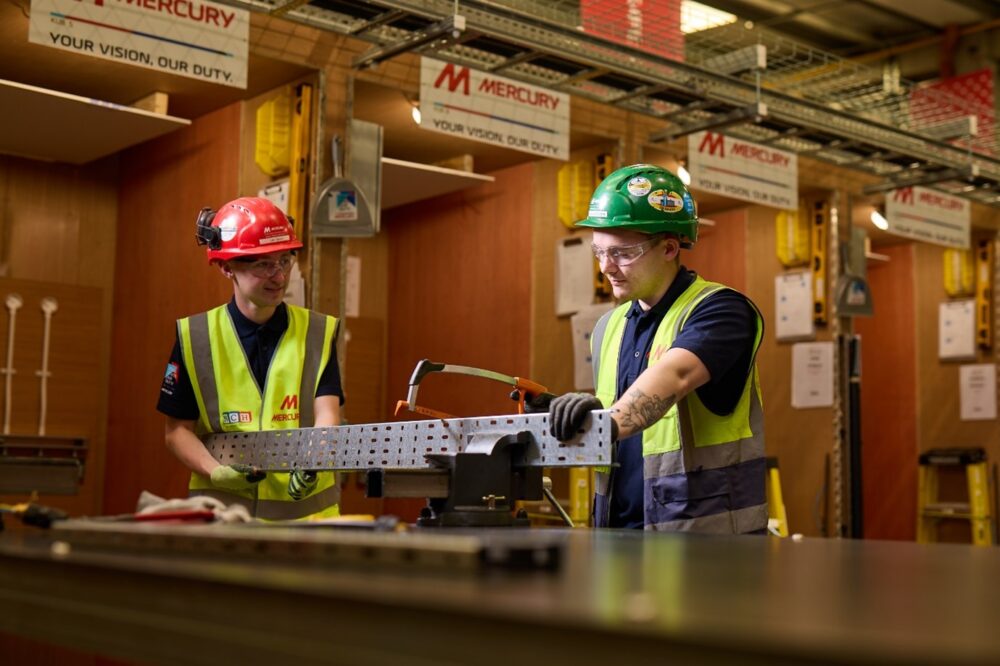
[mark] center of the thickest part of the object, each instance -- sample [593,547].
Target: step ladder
[931,510]
[777,520]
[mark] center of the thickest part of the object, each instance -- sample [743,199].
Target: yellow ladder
[777,519]
[931,510]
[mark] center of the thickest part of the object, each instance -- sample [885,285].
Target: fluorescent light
[415,114]
[879,220]
[696,17]
[683,174]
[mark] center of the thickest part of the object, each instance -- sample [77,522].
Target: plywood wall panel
[551,335]
[459,291]
[800,438]
[889,398]
[58,228]
[938,400]
[720,253]
[74,398]
[162,275]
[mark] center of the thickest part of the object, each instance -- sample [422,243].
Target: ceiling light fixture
[683,174]
[879,220]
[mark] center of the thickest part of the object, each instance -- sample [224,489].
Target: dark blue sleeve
[329,381]
[177,397]
[721,332]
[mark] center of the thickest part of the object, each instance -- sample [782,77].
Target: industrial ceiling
[770,71]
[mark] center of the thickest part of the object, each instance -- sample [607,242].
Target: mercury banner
[483,107]
[927,215]
[743,170]
[192,38]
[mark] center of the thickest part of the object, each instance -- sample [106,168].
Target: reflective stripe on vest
[230,400]
[701,472]
[314,504]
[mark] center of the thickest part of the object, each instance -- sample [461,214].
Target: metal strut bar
[407,444]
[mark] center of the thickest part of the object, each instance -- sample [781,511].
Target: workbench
[615,597]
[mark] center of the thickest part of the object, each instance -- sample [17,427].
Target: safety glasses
[625,254]
[265,268]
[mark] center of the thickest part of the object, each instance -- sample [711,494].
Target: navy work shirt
[177,398]
[720,331]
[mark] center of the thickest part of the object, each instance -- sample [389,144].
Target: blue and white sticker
[689,205]
[639,186]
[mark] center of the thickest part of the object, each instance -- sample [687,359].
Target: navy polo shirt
[177,398]
[720,331]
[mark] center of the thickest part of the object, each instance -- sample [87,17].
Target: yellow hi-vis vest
[701,472]
[230,401]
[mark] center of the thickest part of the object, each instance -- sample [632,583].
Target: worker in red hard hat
[255,363]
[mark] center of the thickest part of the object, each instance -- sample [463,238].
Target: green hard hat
[645,198]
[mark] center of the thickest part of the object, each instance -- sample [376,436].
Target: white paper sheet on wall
[957,330]
[793,306]
[812,375]
[352,287]
[574,282]
[583,324]
[978,391]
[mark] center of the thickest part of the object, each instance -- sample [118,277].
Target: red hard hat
[245,227]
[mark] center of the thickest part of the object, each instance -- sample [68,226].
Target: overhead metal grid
[817,104]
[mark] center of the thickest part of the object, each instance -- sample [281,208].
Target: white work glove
[237,477]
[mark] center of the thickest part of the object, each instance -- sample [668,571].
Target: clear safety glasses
[625,254]
[265,268]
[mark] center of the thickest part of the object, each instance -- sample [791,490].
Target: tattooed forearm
[636,410]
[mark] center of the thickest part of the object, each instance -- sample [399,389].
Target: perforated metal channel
[406,444]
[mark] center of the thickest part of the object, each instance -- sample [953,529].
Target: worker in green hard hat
[674,361]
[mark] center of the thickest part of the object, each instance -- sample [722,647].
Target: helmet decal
[668,202]
[639,186]
[227,229]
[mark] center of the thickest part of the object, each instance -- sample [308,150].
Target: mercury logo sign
[495,87]
[454,80]
[290,402]
[903,195]
[186,9]
[714,142]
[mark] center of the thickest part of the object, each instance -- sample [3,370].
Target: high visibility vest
[701,472]
[230,401]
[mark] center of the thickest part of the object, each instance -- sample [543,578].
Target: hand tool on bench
[521,387]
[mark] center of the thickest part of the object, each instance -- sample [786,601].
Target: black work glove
[568,412]
[536,403]
[301,483]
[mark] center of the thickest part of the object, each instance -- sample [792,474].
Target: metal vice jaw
[477,487]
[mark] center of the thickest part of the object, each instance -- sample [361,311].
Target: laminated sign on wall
[192,38]
[928,215]
[480,106]
[743,170]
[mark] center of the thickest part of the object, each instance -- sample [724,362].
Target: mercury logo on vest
[291,401]
[229,418]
